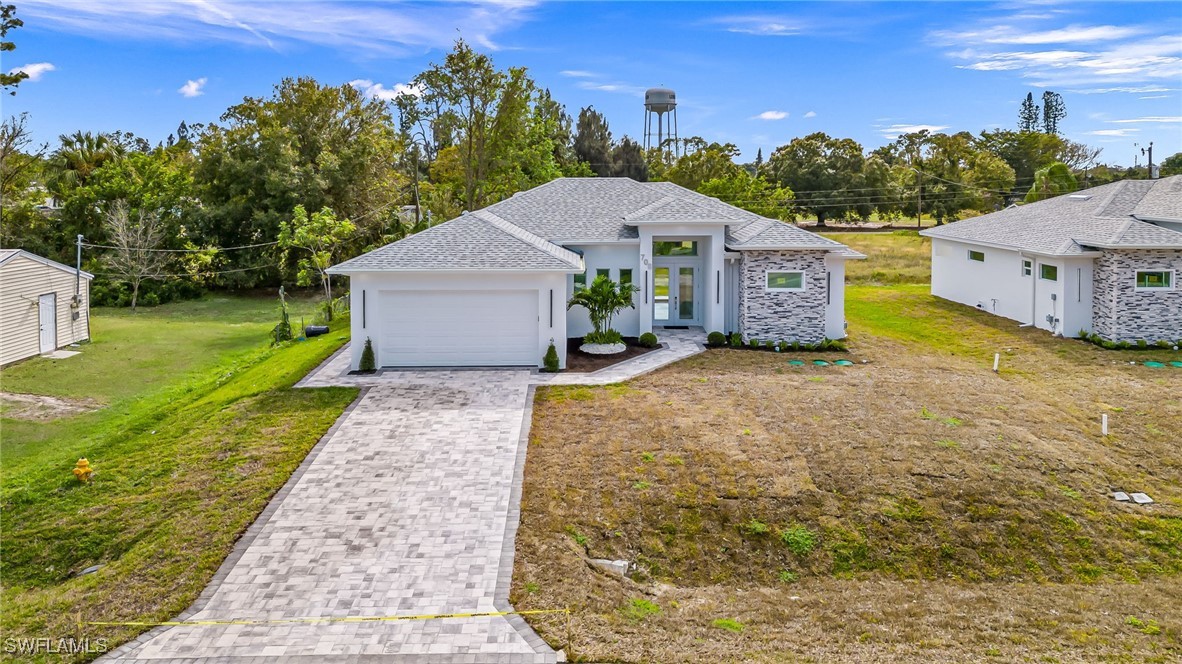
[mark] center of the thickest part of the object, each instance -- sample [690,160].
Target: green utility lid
[1155,365]
[821,363]
[1176,363]
[796,363]
[844,363]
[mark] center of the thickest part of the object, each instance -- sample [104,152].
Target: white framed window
[978,256]
[603,272]
[785,280]
[1027,267]
[1155,280]
[1048,272]
[580,280]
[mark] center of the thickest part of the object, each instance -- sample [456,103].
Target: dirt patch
[916,508]
[579,362]
[41,408]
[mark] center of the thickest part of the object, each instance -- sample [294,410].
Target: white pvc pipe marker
[1104,424]
[996,361]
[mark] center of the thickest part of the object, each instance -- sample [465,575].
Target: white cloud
[1130,89]
[35,70]
[1156,97]
[1073,34]
[771,115]
[379,91]
[1113,132]
[896,130]
[578,73]
[810,114]
[193,88]
[621,88]
[370,28]
[763,25]
[1154,119]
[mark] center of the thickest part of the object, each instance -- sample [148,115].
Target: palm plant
[603,299]
[79,155]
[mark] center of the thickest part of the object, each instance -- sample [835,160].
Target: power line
[188,274]
[183,251]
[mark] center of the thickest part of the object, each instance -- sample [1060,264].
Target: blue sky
[755,74]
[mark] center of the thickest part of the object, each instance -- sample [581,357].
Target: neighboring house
[490,287]
[1104,260]
[39,312]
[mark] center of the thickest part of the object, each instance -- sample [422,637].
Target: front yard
[196,428]
[916,507]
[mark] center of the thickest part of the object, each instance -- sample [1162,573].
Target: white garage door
[458,328]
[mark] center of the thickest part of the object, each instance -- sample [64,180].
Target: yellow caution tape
[330,619]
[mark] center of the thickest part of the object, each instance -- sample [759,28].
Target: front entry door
[675,294]
[47,312]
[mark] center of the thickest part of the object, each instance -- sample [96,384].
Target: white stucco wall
[835,299]
[999,286]
[612,257]
[365,319]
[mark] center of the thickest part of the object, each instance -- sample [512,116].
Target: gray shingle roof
[1101,217]
[1164,201]
[524,231]
[469,242]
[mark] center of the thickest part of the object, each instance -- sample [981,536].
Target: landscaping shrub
[282,331]
[769,345]
[753,344]
[367,364]
[715,339]
[784,346]
[736,340]
[604,337]
[649,340]
[550,360]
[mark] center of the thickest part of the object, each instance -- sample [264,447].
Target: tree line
[280,186]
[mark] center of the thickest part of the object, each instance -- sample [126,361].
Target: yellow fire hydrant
[83,471]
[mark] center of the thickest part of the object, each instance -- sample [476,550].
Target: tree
[1054,180]
[1171,165]
[321,235]
[498,121]
[1053,110]
[603,299]
[21,164]
[8,21]
[702,162]
[18,156]
[1025,152]
[825,173]
[79,155]
[593,141]
[137,243]
[628,161]
[1028,114]
[752,193]
[310,144]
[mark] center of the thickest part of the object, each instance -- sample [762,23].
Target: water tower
[660,102]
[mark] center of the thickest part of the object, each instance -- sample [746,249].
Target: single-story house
[44,305]
[1104,260]
[490,287]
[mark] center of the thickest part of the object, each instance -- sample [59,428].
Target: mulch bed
[579,362]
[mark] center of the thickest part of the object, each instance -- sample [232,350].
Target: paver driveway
[407,507]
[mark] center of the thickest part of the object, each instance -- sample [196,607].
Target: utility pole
[78,273]
[1149,151]
[919,201]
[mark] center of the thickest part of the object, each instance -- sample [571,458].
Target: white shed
[44,305]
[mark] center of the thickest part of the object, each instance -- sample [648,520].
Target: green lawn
[202,429]
[896,257]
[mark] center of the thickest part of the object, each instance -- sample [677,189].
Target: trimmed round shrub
[649,340]
[715,339]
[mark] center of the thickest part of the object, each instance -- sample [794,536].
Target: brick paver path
[407,507]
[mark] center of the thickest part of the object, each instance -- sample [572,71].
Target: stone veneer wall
[1122,313]
[782,315]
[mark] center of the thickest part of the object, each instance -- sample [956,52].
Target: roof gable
[7,255]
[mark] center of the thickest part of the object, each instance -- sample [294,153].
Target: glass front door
[675,295]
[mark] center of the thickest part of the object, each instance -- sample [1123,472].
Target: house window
[625,277]
[686,248]
[603,272]
[978,256]
[580,281]
[1048,272]
[1027,268]
[785,281]
[1155,279]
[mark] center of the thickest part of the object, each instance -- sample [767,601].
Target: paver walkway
[408,506]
